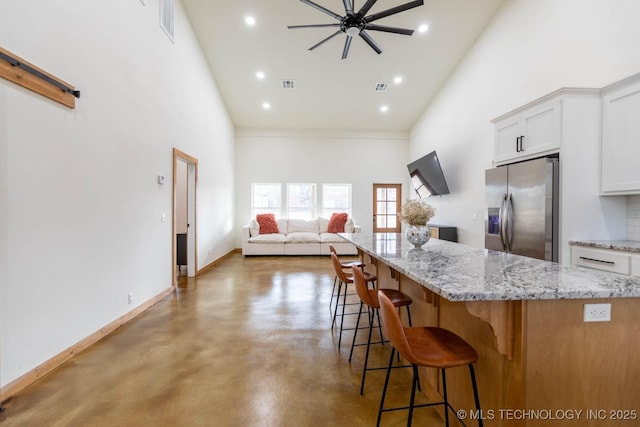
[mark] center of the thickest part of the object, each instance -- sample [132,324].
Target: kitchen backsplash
[633,218]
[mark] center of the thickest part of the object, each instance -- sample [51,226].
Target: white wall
[531,48]
[358,158]
[80,203]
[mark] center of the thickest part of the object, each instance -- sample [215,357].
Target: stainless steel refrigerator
[522,203]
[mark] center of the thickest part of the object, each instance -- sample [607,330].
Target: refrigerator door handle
[509,221]
[503,218]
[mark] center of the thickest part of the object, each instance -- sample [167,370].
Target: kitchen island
[539,362]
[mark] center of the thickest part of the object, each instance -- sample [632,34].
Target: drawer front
[435,232]
[612,261]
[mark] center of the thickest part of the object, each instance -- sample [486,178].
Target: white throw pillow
[349,226]
[323,225]
[254,228]
[282,225]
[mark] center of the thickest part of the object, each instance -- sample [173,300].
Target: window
[336,198]
[266,198]
[301,201]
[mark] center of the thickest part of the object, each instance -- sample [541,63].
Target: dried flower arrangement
[417,212]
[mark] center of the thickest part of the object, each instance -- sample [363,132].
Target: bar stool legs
[431,347]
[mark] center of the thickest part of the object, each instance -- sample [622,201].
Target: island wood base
[536,358]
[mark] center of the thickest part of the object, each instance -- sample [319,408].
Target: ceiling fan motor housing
[352,25]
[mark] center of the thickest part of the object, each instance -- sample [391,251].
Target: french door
[387,202]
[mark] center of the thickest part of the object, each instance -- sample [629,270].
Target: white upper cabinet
[529,131]
[621,137]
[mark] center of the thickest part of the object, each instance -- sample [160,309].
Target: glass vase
[418,235]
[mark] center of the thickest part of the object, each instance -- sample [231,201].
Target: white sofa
[297,237]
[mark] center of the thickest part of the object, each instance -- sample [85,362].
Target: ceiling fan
[355,23]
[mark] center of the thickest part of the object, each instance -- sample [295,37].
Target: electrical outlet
[130,297]
[597,312]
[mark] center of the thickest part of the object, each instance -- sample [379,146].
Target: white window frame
[327,211]
[293,211]
[265,209]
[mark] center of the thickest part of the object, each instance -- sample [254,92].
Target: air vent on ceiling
[381,87]
[288,84]
[167,17]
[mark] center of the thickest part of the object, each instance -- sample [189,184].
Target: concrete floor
[248,343]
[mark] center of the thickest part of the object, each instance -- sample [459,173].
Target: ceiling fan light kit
[356,23]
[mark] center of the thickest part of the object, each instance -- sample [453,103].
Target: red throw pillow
[267,223]
[337,222]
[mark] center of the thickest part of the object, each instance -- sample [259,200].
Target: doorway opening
[185,225]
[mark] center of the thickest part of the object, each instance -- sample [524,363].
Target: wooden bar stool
[345,266]
[344,279]
[425,346]
[370,298]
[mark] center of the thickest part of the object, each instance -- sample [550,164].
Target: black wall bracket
[16,63]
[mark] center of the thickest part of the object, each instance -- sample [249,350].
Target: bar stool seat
[429,347]
[369,297]
[345,279]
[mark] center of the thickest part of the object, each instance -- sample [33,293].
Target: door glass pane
[381,193]
[391,194]
[391,208]
[392,221]
[381,221]
[382,208]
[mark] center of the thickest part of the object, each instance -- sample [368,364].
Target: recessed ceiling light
[260,75]
[423,28]
[397,80]
[250,21]
[266,105]
[384,109]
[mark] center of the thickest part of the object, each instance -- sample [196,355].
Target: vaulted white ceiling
[330,92]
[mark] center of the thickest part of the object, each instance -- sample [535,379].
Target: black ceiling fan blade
[365,8]
[322,41]
[322,9]
[367,38]
[348,7]
[347,44]
[313,25]
[386,29]
[394,10]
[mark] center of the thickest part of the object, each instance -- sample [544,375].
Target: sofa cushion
[295,225]
[268,238]
[337,222]
[331,238]
[268,224]
[302,237]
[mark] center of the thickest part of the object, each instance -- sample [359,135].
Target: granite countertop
[618,245]
[462,273]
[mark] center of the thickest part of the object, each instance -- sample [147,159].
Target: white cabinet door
[529,132]
[542,128]
[507,133]
[621,137]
